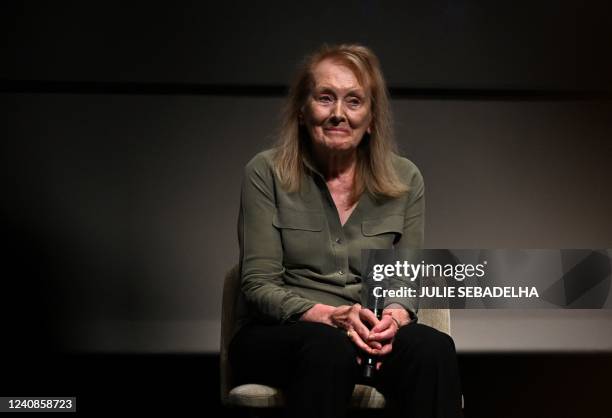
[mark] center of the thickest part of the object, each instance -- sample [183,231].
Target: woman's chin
[340,146]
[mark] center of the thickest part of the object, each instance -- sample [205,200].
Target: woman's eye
[325,99]
[354,102]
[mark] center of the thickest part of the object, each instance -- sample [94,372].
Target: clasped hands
[372,335]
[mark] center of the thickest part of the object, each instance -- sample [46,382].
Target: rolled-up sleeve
[261,252]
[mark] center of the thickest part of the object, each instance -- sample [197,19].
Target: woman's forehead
[336,74]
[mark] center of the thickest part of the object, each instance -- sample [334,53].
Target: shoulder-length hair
[375,171]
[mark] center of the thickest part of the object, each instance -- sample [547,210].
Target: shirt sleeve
[414,216]
[412,238]
[261,252]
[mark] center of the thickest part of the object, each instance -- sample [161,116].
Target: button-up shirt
[294,251]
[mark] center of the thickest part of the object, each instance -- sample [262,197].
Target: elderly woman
[331,187]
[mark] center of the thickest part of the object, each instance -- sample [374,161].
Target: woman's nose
[337,111]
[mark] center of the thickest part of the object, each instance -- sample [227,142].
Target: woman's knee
[326,344]
[424,340]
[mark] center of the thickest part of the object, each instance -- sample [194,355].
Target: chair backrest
[229,310]
[232,303]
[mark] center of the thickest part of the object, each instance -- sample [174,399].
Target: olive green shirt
[294,252]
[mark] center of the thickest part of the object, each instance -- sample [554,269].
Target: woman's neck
[336,166]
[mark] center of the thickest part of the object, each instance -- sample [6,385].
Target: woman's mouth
[337,131]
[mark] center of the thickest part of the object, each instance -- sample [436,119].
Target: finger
[367,316]
[383,324]
[378,364]
[358,360]
[386,349]
[374,345]
[387,334]
[359,326]
[343,309]
[359,343]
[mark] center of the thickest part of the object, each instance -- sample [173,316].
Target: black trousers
[315,364]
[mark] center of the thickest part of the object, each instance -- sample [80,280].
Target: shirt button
[338,240]
[341,272]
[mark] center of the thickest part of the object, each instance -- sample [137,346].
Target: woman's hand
[353,319]
[385,330]
[392,320]
[383,333]
[373,336]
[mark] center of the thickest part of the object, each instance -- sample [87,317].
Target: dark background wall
[125,130]
[469,44]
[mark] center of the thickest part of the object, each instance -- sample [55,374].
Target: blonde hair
[375,172]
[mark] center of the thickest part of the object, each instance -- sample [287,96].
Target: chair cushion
[367,397]
[262,396]
[255,396]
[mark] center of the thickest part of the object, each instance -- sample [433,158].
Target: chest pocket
[301,234]
[383,232]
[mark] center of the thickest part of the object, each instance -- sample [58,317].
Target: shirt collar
[306,158]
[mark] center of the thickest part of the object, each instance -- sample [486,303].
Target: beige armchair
[262,396]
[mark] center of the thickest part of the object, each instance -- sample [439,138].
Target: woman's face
[337,112]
